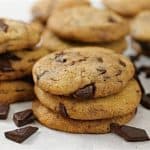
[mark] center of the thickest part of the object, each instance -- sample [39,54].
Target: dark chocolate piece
[5,66]
[119,72]
[101,71]
[129,133]
[111,19]
[63,111]
[100,59]
[20,135]
[60,58]
[10,56]
[4,109]
[146,101]
[23,118]
[86,92]
[3,26]
[122,63]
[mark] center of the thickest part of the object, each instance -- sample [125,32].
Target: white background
[46,139]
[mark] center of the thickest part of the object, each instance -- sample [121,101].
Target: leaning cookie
[56,121]
[92,26]
[42,9]
[101,108]
[54,43]
[70,72]
[15,91]
[17,35]
[126,7]
[140,32]
[17,64]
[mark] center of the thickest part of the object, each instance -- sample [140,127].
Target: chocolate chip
[130,134]
[4,109]
[85,93]
[122,63]
[146,101]
[101,71]
[100,59]
[5,66]
[60,58]
[20,135]
[20,90]
[111,19]
[118,72]
[3,26]
[63,111]
[9,56]
[24,117]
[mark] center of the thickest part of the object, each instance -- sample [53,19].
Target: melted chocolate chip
[10,56]
[122,63]
[5,66]
[3,26]
[63,111]
[101,71]
[100,59]
[20,135]
[118,72]
[146,101]
[111,20]
[130,134]
[23,118]
[4,109]
[85,93]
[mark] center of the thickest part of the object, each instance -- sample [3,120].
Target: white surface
[46,139]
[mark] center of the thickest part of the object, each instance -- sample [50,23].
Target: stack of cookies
[84,90]
[17,57]
[81,26]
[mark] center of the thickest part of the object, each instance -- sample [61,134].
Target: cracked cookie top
[83,72]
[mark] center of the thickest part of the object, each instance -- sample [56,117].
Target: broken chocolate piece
[60,58]
[23,118]
[3,26]
[146,101]
[129,133]
[119,72]
[85,93]
[4,109]
[122,63]
[101,71]
[63,111]
[100,59]
[20,135]
[111,19]
[9,56]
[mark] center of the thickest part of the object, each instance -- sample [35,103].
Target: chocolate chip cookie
[94,25]
[100,108]
[17,64]
[54,43]
[56,121]
[140,32]
[126,7]
[17,35]
[83,72]
[15,91]
[42,9]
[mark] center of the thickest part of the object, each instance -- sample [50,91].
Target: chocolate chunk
[3,26]
[24,117]
[5,66]
[118,72]
[85,93]
[9,56]
[122,63]
[20,135]
[63,111]
[101,71]
[130,134]
[146,101]
[60,58]
[100,59]
[111,20]
[4,109]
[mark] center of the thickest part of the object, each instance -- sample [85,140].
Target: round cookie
[42,9]
[101,108]
[53,43]
[83,72]
[57,122]
[126,7]
[140,27]
[17,35]
[88,27]
[15,91]
[17,64]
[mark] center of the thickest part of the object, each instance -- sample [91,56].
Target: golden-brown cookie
[54,43]
[94,25]
[101,108]
[83,72]
[57,122]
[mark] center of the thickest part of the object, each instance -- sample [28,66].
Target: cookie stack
[17,57]
[84,90]
[85,26]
